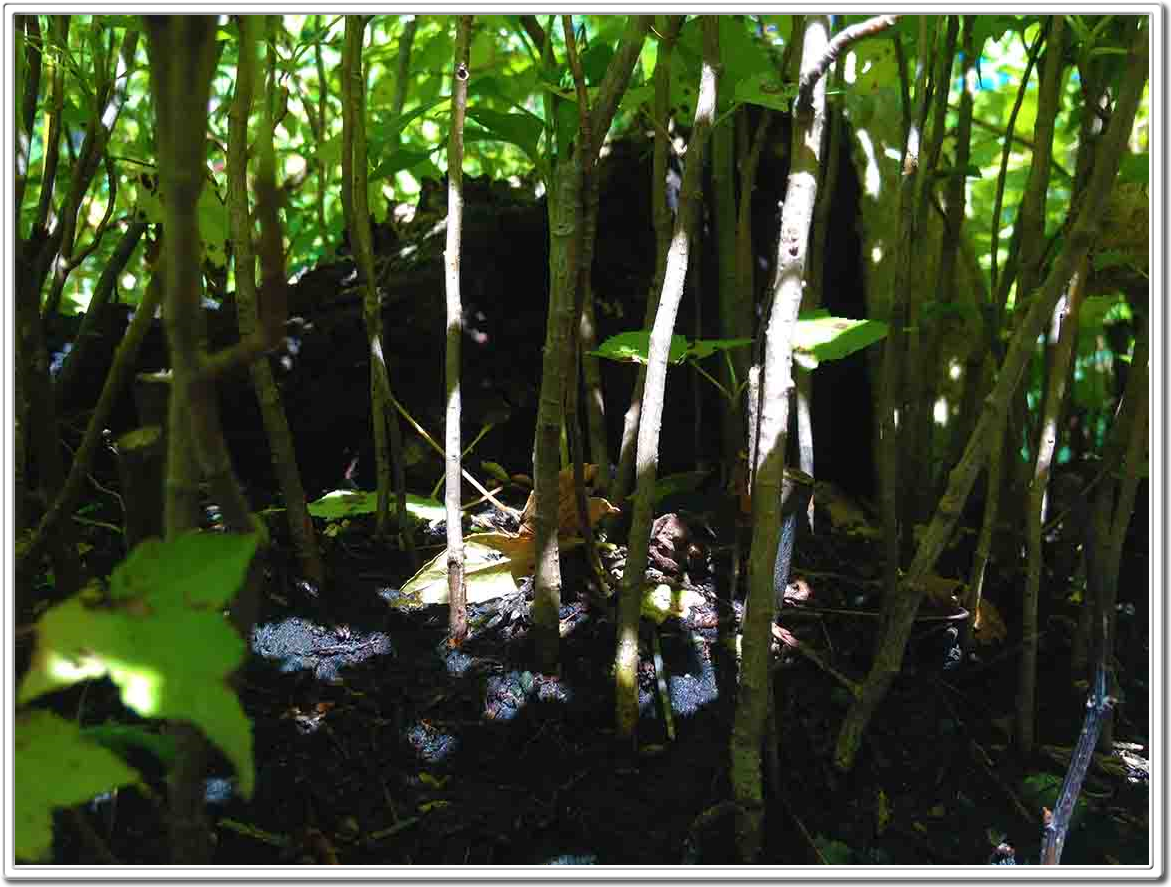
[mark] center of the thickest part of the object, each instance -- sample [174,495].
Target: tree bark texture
[276,426]
[661,219]
[646,462]
[1068,310]
[457,592]
[773,428]
[565,237]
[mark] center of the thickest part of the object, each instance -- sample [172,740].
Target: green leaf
[594,62]
[401,159]
[972,171]
[819,337]
[488,576]
[56,767]
[634,347]
[163,639]
[766,88]
[350,503]
[199,570]
[992,27]
[877,66]
[389,130]
[523,130]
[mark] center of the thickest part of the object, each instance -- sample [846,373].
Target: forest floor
[378,744]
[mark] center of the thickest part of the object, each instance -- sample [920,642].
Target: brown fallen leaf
[567,522]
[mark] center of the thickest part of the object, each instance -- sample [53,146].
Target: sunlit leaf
[163,639]
[634,347]
[819,337]
[350,503]
[487,575]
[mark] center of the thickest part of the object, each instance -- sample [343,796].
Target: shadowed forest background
[644,440]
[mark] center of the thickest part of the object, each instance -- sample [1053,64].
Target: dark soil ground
[377,744]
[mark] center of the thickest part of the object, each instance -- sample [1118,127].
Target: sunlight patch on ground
[296,644]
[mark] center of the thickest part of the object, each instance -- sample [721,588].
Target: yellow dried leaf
[521,551]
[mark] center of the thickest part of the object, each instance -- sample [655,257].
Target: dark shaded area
[843,400]
[323,369]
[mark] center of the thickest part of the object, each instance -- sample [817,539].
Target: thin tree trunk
[1127,453]
[947,285]
[280,441]
[582,331]
[182,54]
[565,234]
[815,285]
[745,282]
[388,448]
[691,193]
[402,71]
[28,28]
[1031,226]
[457,593]
[1066,319]
[111,94]
[915,417]
[564,244]
[896,349]
[735,304]
[773,428]
[661,216]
